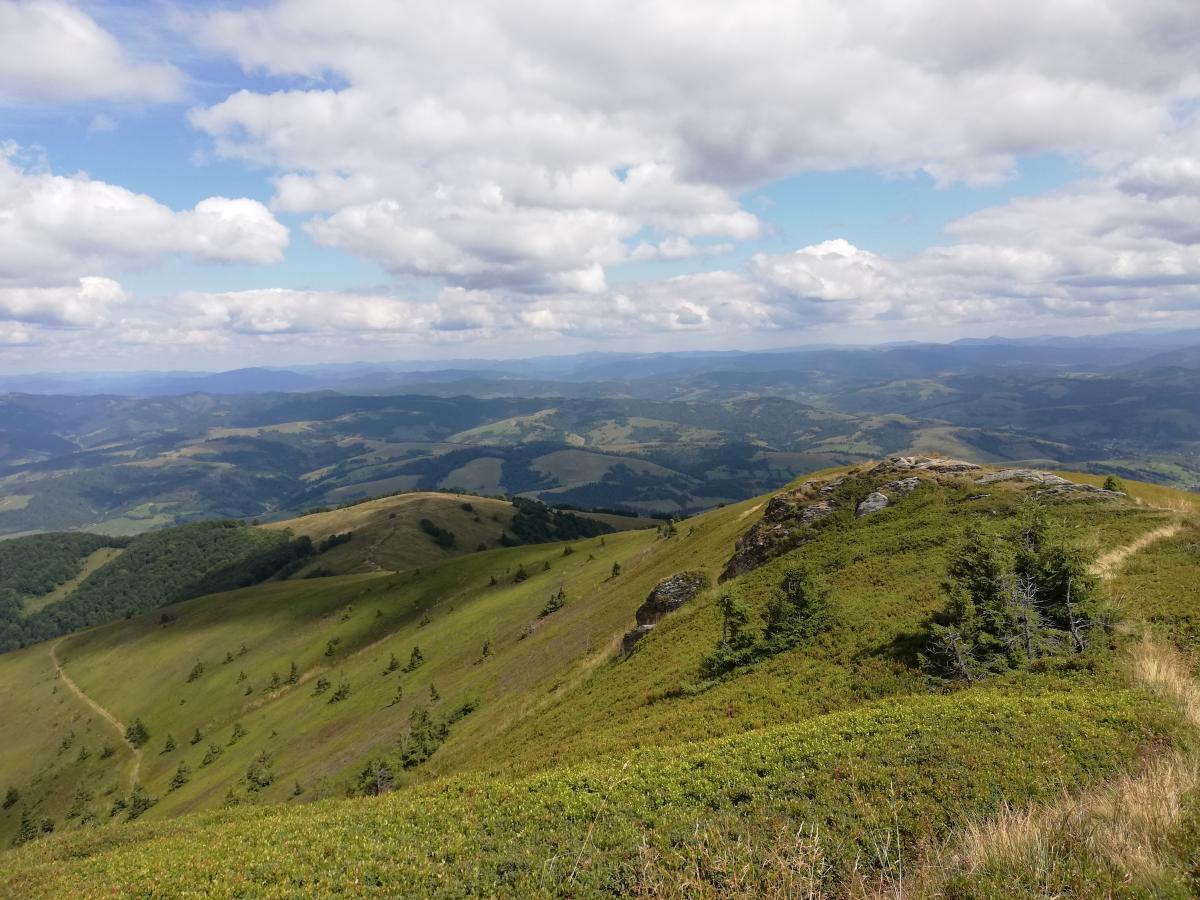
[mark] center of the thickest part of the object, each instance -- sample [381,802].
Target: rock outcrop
[872,503]
[933,464]
[903,486]
[1052,485]
[783,527]
[666,597]
[1032,475]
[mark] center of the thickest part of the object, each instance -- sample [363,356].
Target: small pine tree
[137,733]
[392,666]
[736,645]
[106,751]
[492,581]
[169,744]
[238,733]
[182,776]
[321,686]
[434,696]
[197,737]
[139,801]
[293,674]
[197,671]
[521,575]
[275,682]
[616,569]
[415,659]
[798,611]
[297,790]
[487,649]
[342,692]
[554,604]
[546,566]
[228,657]
[11,796]
[26,830]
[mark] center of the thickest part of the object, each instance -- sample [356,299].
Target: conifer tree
[799,610]
[26,830]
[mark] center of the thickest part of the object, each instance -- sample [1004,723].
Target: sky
[215,185]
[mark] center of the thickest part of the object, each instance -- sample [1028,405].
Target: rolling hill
[51,584]
[520,750]
[677,435]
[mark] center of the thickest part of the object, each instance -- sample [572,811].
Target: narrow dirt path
[135,767]
[1107,565]
[371,562]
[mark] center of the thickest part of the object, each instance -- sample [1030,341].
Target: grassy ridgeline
[552,695]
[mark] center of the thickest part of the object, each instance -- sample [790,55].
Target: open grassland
[884,776]
[386,533]
[824,769]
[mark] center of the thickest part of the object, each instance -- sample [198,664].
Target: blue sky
[293,181]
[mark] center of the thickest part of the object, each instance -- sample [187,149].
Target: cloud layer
[510,163]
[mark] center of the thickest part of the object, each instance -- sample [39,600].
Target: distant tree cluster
[1014,601]
[334,540]
[156,569]
[537,523]
[34,566]
[441,536]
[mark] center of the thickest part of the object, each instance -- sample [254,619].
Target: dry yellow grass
[1126,823]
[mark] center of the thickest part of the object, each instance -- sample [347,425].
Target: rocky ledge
[783,527]
[666,597]
[1052,485]
[784,524]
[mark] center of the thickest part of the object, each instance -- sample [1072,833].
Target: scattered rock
[873,502]
[830,487]
[667,596]
[1072,488]
[670,594]
[1033,475]
[632,637]
[934,464]
[903,486]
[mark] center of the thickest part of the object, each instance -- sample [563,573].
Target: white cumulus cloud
[54,227]
[54,51]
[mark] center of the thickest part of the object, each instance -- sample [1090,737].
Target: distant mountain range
[639,374]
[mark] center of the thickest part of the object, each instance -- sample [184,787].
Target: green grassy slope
[860,780]
[574,757]
[386,534]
